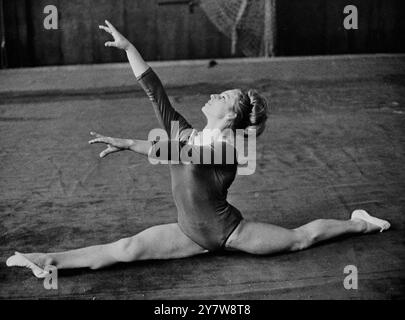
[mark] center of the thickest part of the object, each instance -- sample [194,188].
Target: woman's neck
[215,129]
[215,124]
[212,132]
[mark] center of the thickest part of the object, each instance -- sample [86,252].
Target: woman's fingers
[98,140]
[119,42]
[106,29]
[110,44]
[112,28]
[107,151]
[104,153]
[106,140]
[96,134]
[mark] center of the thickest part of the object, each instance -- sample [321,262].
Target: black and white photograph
[225,151]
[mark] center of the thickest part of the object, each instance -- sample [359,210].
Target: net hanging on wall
[248,23]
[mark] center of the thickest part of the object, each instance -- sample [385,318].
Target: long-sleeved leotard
[199,190]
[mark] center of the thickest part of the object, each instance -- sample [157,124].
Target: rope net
[243,21]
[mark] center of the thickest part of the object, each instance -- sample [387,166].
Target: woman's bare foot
[40,259]
[370,223]
[34,261]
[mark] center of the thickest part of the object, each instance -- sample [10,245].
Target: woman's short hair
[251,112]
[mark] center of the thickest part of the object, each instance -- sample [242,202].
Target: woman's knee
[301,240]
[126,249]
[310,233]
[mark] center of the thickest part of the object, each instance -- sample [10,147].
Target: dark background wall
[308,27]
[172,32]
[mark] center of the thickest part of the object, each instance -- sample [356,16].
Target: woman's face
[221,105]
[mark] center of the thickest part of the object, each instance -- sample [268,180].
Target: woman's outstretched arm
[118,144]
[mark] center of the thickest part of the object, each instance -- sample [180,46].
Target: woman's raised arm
[151,84]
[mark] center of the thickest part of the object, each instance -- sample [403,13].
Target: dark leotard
[199,190]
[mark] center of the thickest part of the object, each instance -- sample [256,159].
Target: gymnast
[206,221]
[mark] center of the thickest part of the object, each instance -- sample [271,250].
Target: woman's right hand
[113,144]
[120,41]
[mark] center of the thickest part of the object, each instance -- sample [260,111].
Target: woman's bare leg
[159,242]
[264,238]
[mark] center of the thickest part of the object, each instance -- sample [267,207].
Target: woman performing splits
[206,221]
